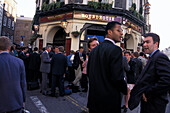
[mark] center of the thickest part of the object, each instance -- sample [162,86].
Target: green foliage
[90,3]
[135,13]
[51,6]
[99,5]
[57,5]
[141,10]
[134,6]
[96,5]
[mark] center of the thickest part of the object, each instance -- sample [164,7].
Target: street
[74,103]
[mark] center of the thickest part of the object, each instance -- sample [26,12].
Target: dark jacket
[77,61]
[59,64]
[34,61]
[154,82]
[131,73]
[126,66]
[138,68]
[12,83]
[106,78]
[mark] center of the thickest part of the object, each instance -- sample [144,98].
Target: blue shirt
[69,63]
[153,53]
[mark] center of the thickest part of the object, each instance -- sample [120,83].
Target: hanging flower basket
[75,33]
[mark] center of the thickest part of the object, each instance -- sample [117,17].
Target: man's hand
[144,97]
[24,104]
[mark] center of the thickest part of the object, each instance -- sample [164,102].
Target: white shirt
[110,40]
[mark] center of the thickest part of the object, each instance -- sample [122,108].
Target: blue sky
[159,17]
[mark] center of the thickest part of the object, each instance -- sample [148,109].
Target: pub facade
[85,19]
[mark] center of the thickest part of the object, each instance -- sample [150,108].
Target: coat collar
[146,67]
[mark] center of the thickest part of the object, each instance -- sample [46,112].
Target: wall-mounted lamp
[36,27]
[64,23]
[129,29]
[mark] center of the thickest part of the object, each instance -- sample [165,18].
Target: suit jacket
[131,73]
[126,66]
[77,60]
[25,58]
[138,68]
[59,64]
[12,83]
[45,63]
[154,82]
[34,61]
[106,78]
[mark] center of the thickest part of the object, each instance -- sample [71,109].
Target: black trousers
[71,75]
[59,80]
[153,106]
[84,82]
[15,111]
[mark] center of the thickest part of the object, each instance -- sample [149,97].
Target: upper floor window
[9,23]
[5,21]
[13,25]
[3,33]
[6,7]
[10,9]
[130,3]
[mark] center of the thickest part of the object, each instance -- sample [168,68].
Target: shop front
[81,26]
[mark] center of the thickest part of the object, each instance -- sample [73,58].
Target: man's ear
[156,43]
[109,31]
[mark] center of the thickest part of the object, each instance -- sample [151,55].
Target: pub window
[13,25]
[9,23]
[5,21]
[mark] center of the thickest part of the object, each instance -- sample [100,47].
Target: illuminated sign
[56,17]
[134,26]
[97,17]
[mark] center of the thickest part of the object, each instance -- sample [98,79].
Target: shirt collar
[153,53]
[110,40]
[3,52]
[46,51]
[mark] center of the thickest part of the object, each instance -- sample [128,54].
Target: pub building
[71,23]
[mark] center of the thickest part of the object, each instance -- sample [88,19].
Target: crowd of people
[106,72]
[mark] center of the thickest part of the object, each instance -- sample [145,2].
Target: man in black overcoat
[105,70]
[153,84]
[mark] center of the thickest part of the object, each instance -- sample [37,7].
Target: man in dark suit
[105,70]
[153,84]
[59,64]
[12,80]
[34,65]
[45,69]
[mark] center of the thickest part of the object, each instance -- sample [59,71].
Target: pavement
[74,103]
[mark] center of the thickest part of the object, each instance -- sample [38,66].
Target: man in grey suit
[12,80]
[45,69]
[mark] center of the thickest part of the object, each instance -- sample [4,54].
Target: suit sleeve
[162,65]
[45,58]
[117,75]
[23,80]
[125,64]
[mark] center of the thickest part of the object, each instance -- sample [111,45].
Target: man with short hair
[92,43]
[34,68]
[143,59]
[58,64]
[105,71]
[153,84]
[45,69]
[12,79]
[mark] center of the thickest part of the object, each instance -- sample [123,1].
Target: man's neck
[3,51]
